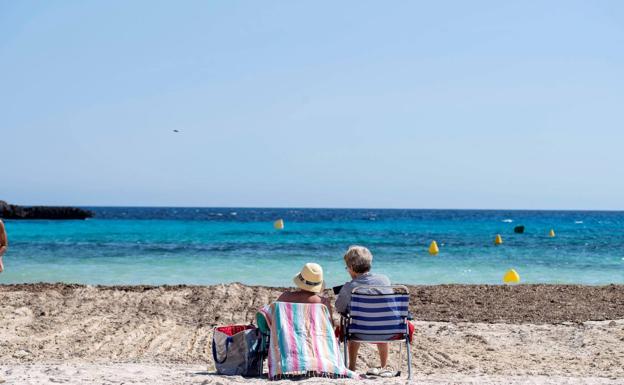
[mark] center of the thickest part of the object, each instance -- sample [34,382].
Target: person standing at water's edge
[4,243]
[359,260]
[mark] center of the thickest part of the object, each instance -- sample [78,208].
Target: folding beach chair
[378,314]
[265,335]
[299,341]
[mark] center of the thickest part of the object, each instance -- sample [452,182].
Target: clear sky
[421,104]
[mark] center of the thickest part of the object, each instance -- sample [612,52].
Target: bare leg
[353,352]
[1,265]
[383,354]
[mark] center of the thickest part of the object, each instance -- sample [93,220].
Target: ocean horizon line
[326,208]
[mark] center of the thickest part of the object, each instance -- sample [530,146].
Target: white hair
[359,259]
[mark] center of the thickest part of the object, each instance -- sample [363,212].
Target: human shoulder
[284,297]
[314,299]
[298,297]
[380,279]
[347,288]
[289,296]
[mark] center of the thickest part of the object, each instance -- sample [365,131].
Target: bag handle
[228,342]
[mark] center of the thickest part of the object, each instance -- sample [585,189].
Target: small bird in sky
[176,131]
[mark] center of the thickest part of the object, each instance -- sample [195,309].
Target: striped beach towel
[302,341]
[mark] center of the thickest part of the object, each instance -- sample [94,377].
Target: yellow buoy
[433,248]
[511,276]
[498,240]
[552,233]
[279,224]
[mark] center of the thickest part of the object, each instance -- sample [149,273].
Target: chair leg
[409,358]
[265,353]
[400,360]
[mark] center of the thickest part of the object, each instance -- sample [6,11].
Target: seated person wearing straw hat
[301,337]
[310,283]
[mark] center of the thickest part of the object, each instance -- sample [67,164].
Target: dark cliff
[8,211]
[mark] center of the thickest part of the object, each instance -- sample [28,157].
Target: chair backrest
[302,341]
[379,310]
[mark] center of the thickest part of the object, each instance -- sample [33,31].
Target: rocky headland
[9,211]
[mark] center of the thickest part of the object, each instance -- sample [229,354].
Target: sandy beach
[75,334]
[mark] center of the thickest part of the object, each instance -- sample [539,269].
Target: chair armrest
[262,324]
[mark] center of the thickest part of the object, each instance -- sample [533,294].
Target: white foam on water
[507,220]
[578,222]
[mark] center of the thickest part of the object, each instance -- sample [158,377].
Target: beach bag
[237,350]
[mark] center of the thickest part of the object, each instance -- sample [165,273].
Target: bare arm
[343,299]
[325,301]
[4,240]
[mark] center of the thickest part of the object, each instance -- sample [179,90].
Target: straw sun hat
[310,278]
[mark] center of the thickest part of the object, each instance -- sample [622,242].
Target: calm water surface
[214,245]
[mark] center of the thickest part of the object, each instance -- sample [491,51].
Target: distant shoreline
[89,206]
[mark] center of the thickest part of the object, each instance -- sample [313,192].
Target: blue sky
[448,104]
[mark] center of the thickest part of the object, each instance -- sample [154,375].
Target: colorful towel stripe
[302,341]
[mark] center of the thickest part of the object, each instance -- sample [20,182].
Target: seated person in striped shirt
[358,260]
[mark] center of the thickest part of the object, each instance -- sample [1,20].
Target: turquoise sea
[123,245]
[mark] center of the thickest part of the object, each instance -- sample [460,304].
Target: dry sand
[464,333]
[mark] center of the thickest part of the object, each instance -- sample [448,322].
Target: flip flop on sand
[373,371]
[387,372]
